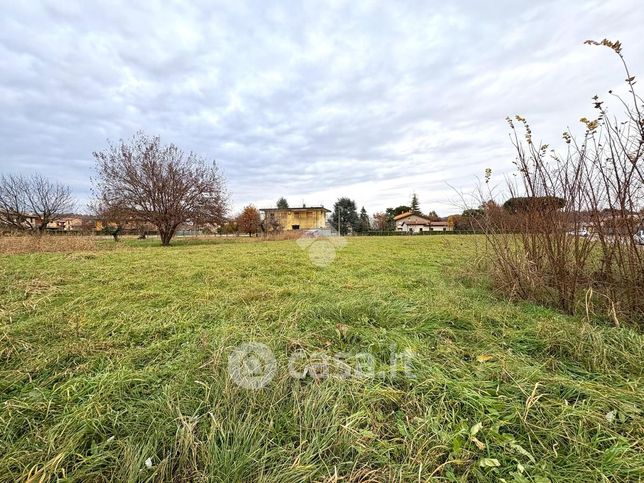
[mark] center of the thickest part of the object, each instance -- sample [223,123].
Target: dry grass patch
[14,245]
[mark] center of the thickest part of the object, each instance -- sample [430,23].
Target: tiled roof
[410,213]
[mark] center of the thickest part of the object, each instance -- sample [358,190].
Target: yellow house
[304,218]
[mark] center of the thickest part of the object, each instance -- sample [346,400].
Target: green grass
[115,357]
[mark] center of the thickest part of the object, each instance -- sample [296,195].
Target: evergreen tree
[345,216]
[282,204]
[365,224]
[398,210]
[415,206]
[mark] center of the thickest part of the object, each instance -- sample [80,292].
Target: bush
[566,237]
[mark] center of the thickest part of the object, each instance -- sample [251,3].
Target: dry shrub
[12,245]
[567,236]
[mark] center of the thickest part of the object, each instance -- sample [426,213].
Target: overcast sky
[307,100]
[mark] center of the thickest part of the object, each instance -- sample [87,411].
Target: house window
[421,229]
[295,227]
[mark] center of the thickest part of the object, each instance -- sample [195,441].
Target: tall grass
[11,245]
[114,367]
[568,238]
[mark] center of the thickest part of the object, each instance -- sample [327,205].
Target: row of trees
[346,219]
[143,183]
[140,181]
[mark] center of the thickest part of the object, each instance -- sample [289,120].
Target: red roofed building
[410,222]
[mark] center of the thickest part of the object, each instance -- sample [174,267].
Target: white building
[440,226]
[412,222]
[416,223]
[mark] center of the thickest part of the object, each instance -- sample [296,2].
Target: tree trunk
[167,229]
[166,234]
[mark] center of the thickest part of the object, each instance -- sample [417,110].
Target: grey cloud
[302,99]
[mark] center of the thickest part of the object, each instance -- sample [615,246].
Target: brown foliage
[249,220]
[380,221]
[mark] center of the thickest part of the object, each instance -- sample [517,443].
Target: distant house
[66,223]
[410,222]
[607,222]
[10,220]
[304,218]
[132,226]
[72,223]
[31,220]
[441,226]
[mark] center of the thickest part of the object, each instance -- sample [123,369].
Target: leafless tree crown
[144,180]
[30,203]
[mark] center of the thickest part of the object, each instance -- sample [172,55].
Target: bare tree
[270,224]
[147,181]
[30,203]
[380,221]
[112,218]
[13,213]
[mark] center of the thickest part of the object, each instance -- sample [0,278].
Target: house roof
[408,214]
[301,208]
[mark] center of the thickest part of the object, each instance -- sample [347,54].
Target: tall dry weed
[567,236]
[13,245]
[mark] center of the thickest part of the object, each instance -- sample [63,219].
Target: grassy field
[114,366]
